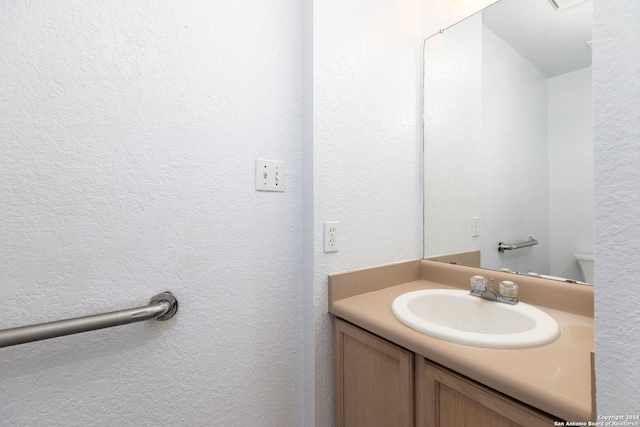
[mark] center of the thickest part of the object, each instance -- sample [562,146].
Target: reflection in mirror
[507,138]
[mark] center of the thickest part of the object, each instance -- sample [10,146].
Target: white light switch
[269,175]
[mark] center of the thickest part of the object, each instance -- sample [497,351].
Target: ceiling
[555,41]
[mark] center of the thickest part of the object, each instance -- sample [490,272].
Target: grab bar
[509,246]
[161,307]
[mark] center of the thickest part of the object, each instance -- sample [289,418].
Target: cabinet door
[446,399]
[374,380]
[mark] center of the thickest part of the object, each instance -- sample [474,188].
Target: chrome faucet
[480,290]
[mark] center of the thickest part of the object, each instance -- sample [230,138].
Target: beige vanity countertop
[555,378]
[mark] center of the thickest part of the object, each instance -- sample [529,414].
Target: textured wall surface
[128,133]
[616,96]
[367,150]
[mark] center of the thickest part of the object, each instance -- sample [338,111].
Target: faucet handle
[508,289]
[478,283]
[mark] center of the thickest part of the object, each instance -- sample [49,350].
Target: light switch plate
[269,175]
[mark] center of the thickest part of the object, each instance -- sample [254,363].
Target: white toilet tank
[586,266]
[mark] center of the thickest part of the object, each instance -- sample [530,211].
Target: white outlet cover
[269,175]
[331,236]
[475,226]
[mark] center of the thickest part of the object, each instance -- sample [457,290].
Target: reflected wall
[508,145]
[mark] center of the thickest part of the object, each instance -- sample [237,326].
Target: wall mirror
[508,137]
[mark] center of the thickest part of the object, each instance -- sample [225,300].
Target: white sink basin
[456,316]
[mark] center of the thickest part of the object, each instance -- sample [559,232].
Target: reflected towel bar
[509,246]
[161,307]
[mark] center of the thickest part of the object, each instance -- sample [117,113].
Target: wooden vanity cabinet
[381,384]
[447,399]
[374,380]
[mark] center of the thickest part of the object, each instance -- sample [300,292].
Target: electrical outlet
[269,175]
[331,236]
[475,226]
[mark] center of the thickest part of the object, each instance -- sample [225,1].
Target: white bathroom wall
[570,171]
[128,133]
[616,96]
[514,162]
[367,150]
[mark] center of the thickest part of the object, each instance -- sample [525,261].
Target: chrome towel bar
[161,307]
[509,246]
